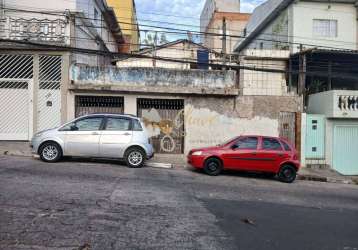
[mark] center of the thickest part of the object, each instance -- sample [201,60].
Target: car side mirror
[74,127]
[234,146]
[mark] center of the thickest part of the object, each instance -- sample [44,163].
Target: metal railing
[39,30]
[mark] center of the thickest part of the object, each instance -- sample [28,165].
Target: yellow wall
[126,13]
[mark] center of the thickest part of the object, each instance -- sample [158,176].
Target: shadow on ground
[254,175]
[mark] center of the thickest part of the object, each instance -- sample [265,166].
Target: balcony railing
[348,102]
[39,30]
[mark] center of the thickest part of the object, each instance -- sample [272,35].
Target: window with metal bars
[99,101]
[173,104]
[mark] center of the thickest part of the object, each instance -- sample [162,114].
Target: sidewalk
[325,175]
[16,148]
[170,161]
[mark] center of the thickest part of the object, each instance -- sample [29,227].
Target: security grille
[98,104]
[16,66]
[164,120]
[49,94]
[287,127]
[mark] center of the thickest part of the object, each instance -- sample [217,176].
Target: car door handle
[254,153]
[280,154]
[95,133]
[127,134]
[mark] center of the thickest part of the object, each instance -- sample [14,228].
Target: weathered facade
[331,102]
[36,52]
[278,25]
[211,21]
[184,109]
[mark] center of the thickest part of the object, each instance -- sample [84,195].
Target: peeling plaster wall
[156,77]
[206,127]
[209,121]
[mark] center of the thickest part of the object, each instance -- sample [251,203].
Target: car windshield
[227,141]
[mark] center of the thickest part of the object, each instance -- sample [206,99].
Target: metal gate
[16,73]
[98,104]
[164,120]
[49,94]
[345,148]
[15,110]
[287,126]
[315,137]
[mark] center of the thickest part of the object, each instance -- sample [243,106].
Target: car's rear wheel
[287,173]
[213,166]
[50,152]
[135,158]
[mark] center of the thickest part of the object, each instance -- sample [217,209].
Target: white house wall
[302,17]
[53,5]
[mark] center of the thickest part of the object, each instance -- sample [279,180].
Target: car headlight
[198,153]
[38,134]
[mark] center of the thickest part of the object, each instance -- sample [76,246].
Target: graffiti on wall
[165,128]
[169,129]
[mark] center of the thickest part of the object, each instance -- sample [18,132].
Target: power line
[139,56]
[265,34]
[129,55]
[199,33]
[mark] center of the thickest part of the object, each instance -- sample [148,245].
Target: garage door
[345,149]
[15,110]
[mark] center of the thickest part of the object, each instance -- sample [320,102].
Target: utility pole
[224,40]
[155,49]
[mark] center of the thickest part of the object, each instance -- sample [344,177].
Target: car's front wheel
[213,166]
[287,173]
[50,152]
[135,158]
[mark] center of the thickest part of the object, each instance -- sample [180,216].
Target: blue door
[315,134]
[345,149]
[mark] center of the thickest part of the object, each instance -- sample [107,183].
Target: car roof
[111,114]
[266,136]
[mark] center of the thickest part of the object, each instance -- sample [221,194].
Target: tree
[148,40]
[163,39]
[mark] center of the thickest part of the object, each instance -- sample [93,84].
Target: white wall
[264,83]
[53,5]
[180,51]
[327,103]
[302,17]
[205,127]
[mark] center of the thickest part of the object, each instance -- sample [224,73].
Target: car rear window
[271,144]
[286,146]
[137,126]
[118,124]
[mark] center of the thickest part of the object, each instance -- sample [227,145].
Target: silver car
[98,136]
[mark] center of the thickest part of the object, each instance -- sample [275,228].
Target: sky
[183,12]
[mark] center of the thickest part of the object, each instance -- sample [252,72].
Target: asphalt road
[99,205]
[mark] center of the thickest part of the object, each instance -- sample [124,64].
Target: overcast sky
[185,12]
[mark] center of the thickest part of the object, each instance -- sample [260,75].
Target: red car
[249,153]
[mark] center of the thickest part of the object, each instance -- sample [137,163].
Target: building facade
[331,98]
[181,50]
[278,25]
[183,108]
[211,21]
[36,52]
[127,17]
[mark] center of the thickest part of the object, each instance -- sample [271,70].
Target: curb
[159,165]
[324,179]
[16,153]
